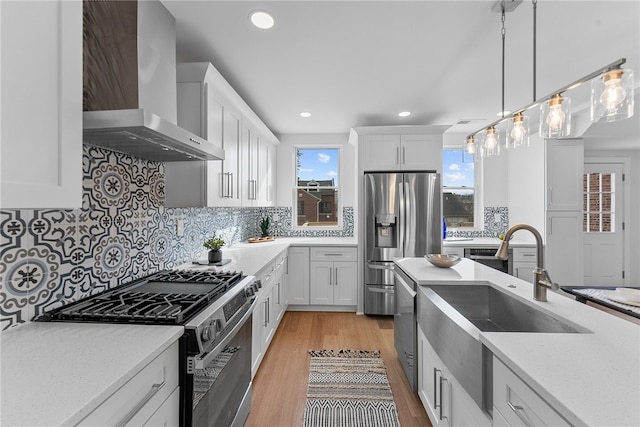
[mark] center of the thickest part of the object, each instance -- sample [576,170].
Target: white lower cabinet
[524,262]
[150,398]
[270,305]
[333,276]
[298,276]
[515,404]
[444,399]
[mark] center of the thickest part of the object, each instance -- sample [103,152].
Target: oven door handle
[201,361]
[490,257]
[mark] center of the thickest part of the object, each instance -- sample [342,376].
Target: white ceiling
[359,63]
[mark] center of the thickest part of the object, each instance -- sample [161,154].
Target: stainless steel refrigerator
[403,218]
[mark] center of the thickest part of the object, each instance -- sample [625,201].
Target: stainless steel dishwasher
[405,331]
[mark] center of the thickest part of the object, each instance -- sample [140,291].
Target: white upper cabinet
[397,148]
[210,107]
[41,137]
[565,164]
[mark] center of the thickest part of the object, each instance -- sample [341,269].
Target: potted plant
[214,244]
[265,226]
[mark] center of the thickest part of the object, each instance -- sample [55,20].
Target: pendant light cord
[535,7]
[503,43]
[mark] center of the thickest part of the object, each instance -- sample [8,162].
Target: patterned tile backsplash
[496,221]
[122,232]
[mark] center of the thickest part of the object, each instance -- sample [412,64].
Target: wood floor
[280,385]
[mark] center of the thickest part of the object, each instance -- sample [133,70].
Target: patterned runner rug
[349,388]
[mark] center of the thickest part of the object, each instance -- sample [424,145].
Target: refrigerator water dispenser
[386,231]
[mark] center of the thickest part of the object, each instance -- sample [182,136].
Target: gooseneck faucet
[542,281]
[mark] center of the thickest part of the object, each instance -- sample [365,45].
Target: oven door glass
[220,388]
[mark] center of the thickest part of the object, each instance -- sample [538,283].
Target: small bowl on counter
[442,260]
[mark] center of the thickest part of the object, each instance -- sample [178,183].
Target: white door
[603,225]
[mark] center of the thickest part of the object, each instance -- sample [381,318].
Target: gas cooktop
[167,297]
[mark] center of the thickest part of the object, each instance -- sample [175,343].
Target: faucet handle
[547,282]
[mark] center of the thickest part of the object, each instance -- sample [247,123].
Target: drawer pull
[442,380]
[519,411]
[155,388]
[333,254]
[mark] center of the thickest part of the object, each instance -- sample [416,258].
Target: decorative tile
[52,257]
[492,227]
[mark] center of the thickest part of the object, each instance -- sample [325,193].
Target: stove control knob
[206,333]
[217,324]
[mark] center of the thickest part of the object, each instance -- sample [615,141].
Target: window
[458,188]
[599,202]
[317,187]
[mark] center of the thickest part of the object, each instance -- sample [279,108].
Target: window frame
[338,187]
[478,205]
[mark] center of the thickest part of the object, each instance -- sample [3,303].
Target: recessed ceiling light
[404,113]
[262,19]
[305,114]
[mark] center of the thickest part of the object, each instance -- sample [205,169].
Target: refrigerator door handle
[381,265]
[402,207]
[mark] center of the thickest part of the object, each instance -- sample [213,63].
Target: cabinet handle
[330,276]
[397,155]
[333,254]
[403,155]
[550,231]
[550,196]
[435,391]
[528,254]
[442,379]
[266,312]
[519,411]
[336,273]
[278,284]
[231,185]
[155,388]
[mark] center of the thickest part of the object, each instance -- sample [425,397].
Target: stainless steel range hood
[129,96]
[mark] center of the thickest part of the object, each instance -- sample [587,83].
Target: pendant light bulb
[491,142]
[471,146]
[555,119]
[611,96]
[613,93]
[518,131]
[556,116]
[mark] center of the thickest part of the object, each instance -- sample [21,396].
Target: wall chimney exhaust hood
[129,83]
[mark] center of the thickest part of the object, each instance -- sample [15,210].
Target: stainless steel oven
[487,257]
[215,309]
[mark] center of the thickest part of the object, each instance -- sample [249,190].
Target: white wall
[286,161]
[494,180]
[525,186]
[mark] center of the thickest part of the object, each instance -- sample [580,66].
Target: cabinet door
[344,284]
[524,270]
[564,247]
[259,324]
[262,178]
[298,275]
[321,283]
[168,414]
[271,175]
[430,370]
[230,188]
[41,71]
[565,165]
[421,152]
[381,152]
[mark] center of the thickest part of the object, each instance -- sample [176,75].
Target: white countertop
[55,374]
[485,242]
[251,257]
[590,379]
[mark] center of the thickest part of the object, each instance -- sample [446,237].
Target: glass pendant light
[518,131]
[471,146]
[612,96]
[555,117]
[491,146]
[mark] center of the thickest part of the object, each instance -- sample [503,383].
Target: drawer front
[334,254]
[519,404]
[142,395]
[524,254]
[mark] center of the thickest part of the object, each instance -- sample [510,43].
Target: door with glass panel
[603,224]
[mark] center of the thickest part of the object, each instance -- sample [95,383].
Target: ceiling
[359,63]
